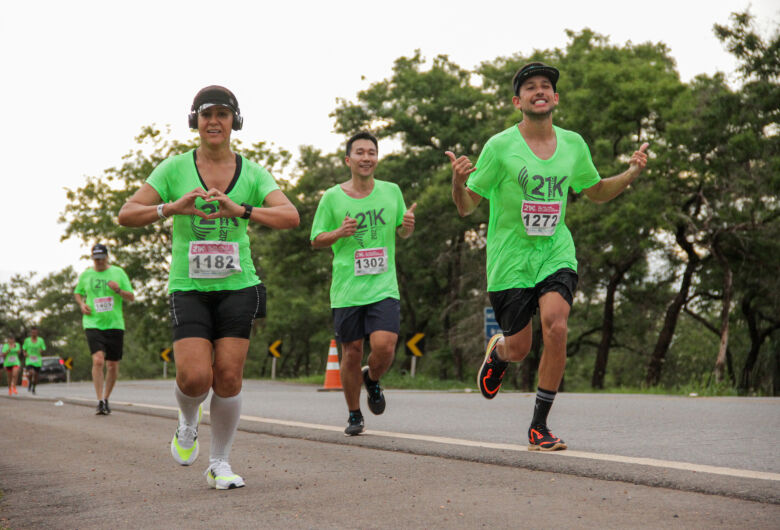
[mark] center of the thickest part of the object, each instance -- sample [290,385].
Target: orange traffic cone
[25,379]
[332,372]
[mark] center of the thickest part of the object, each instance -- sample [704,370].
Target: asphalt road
[63,467]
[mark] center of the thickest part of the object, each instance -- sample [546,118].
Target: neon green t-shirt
[106,305]
[210,254]
[363,264]
[33,351]
[527,237]
[11,355]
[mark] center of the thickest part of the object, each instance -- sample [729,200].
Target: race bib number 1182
[213,259]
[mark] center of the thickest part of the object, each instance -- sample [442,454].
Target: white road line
[684,466]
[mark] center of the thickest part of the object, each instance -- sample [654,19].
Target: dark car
[52,370]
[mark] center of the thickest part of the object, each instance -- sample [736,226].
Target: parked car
[52,370]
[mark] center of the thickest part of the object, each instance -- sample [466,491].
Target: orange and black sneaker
[541,439]
[493,369]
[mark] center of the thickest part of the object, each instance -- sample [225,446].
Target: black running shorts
[109,341]
[213,315]
[358,322]
[515,307]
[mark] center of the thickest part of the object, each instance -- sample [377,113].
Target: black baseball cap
[215,95]
[532,69]
[99,251]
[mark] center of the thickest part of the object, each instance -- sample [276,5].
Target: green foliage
[709,198]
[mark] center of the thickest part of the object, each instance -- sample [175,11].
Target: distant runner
[212,194]
[11,363]
[360,218]
[526,172]
[100,293]
[33,347]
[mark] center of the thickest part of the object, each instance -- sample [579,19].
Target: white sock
[224,414]
[188,405]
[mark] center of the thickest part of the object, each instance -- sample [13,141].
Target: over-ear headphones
[215,95]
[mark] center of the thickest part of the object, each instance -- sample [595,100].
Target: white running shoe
[220,476]
[184,445]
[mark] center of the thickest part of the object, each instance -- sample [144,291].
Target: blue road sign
[491,326]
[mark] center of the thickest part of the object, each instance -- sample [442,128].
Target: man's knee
[556,329]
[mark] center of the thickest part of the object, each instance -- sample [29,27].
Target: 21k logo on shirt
[543,187]
[367,223]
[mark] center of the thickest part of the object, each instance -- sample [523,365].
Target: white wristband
[160,213]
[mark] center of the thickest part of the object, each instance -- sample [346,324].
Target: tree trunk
[745,383]
[454,273]
[608,323]
[658,356]
[728,278]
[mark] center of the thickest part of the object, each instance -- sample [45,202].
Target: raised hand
[225,205]
[461,168]
[639,158]
[348,227]
[186,204]
[407,225]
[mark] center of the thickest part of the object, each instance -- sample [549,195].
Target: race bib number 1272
[541,218]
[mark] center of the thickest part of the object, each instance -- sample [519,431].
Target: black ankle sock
[544,401]
[356,413]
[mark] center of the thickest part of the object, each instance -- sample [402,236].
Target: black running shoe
[492,371]
[541,439]
[108,409]
[376,399]
[355,424]
[101,409]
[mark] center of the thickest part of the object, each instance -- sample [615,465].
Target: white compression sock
[224,414]
[188,405]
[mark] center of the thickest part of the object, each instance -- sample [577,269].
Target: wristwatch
[247,210]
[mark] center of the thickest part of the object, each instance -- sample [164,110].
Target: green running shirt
[363,264]
[527,237]
[11,355]
[205,252]
[33,351]
[106,305]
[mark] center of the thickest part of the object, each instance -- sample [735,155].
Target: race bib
[104,304]
[541,218]
[213,259]
[34,358]
[370,261]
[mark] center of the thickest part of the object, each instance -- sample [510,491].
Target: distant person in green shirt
[33,348]
[359,220]
[212,195]
[11,363]
[100,292]
[525,172]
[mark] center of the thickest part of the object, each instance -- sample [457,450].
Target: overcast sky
[81,78]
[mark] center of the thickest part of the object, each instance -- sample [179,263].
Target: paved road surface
[63,467]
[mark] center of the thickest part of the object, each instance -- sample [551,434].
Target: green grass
[397,381]
[394,380]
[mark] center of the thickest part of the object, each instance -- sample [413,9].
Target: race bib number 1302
[213,259]
[370,261]
[541,218]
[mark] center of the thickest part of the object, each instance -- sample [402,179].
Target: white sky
[80,78]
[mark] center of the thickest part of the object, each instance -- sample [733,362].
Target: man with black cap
[526,172]
[100,292]
[212,195]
